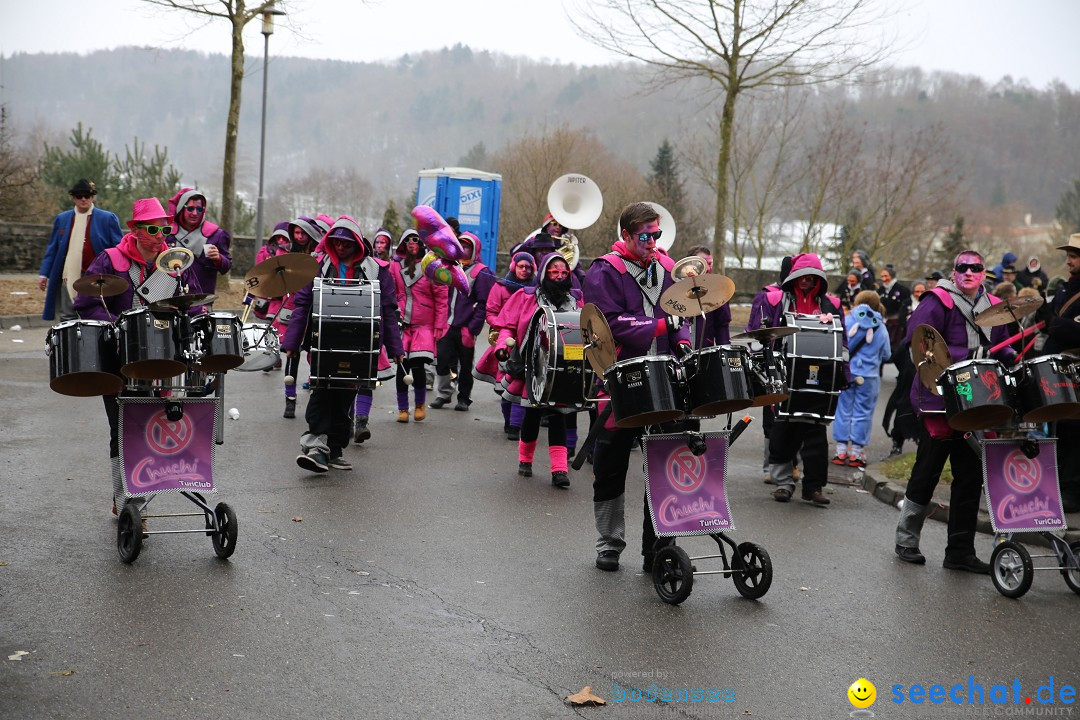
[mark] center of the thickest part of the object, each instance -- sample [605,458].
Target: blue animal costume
[868,344]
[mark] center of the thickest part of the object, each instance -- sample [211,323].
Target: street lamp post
[267,31]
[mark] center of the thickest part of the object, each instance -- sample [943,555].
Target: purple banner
[160,455]
[1022,493]
[687,494]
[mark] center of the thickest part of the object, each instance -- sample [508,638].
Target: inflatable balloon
[444,272]
[436,234]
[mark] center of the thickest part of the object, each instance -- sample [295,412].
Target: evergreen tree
[392,221]
[1068,210]
[955,241]
[666,187]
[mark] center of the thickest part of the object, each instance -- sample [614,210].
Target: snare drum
[261,346]
[1046,389]
[346,333]
[150,344]
[768,379]
[555,364]
[718,380]
[82,358]
[644,391]
[215,342]
[814,360]
[976,394]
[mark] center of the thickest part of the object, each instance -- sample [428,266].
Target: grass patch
[899,468]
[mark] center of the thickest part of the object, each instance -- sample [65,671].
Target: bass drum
[555,366]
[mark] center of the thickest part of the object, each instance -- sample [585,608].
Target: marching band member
[304,234]
[554,291]
[520,275]
[758,312]
[949,308]
[456,348]
[716,328]
[134,260]
[328,409]
[804,291]
[625,285]
[381,243]
[193,231]
[423,307]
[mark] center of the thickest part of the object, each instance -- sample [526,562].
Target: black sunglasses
[81,196]
[973,267]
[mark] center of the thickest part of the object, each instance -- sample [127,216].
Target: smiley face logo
[862,693]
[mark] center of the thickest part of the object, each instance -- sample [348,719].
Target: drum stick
[1023,333]
[1026,348]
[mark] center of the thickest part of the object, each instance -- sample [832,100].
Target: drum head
[763,400]
[87,384]
[258,360]
[649,418]
[153,369]
[220,363]
[1053,413]
[982,417]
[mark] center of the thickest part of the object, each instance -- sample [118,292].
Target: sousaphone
[575,201]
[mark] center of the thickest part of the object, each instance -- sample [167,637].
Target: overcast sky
[1032,39]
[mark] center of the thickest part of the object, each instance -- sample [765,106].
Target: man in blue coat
[65,262]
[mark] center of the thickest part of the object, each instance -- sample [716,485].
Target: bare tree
[529,166]
[740,46]
[238,14]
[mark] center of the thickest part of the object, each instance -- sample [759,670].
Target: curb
[26,321]
[891,494]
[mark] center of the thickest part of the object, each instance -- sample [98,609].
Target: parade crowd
[429,333]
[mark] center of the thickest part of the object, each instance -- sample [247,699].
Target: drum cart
[1024,468]
[673,569]
[178,434]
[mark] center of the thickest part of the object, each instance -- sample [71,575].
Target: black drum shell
[717,379]
[991,400]
[151,346]
[763,389]
[643,391]
[83,360]
[218,337]
[346,335]
[1046,390]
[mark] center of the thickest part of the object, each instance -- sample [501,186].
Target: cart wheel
[1072,575]
[129,533]
[672,574]
[756,579]
[1011,569]
[225,538]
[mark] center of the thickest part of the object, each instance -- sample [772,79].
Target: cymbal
[1008,311]
[696,295]
[281,274]
[101,285]
[766,334]
[931,355]
[183,302]
[599,345]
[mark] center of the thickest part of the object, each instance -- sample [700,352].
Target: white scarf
[73,259]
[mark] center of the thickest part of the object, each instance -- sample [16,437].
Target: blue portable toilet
[472,196]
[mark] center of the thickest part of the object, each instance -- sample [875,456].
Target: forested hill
[1019,144]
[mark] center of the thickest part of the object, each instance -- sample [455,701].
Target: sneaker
[560,479]
[338,462]
[290,408]
[817,497]
[607,560]
[403,416]
[856,462]
[360,429]
[525,469]
[462,406]
[971,563]
[840,459]
[439,403]
[514,433]
[314,461]
[911,555]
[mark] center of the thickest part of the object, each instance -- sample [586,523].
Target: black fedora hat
[83,187]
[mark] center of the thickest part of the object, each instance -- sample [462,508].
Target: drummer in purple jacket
[348,257]
[625,285]
[134,260]
[949,308]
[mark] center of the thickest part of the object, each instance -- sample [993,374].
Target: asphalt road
[431,581]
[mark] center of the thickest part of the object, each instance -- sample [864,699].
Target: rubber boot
[610,519]
[909,528]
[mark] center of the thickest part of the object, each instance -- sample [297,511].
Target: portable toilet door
[471,196]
